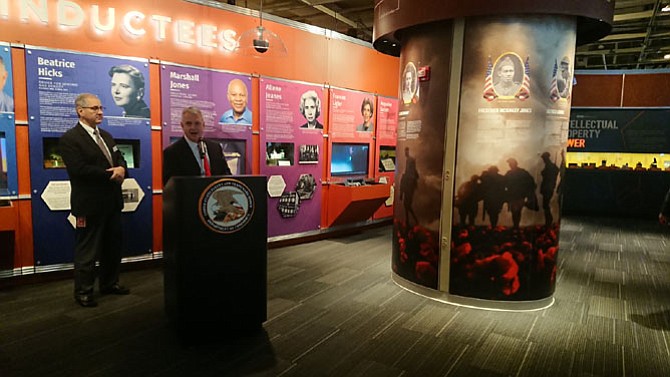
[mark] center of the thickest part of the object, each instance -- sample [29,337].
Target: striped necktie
[102,146]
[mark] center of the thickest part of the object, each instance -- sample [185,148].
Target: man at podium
[192,155]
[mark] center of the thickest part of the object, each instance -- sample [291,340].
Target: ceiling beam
[332,13]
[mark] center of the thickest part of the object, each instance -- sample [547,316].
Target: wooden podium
[215,253]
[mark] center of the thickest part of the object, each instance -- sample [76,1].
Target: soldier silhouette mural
[493,193]
[549,177]
[408,184]
[467,200]
[520,189]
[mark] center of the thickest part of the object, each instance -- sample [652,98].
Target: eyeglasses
[94,108]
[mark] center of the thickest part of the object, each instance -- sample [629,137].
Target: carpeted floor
[333,310]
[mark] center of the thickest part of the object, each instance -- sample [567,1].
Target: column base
[475,303]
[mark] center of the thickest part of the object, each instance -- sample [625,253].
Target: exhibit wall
[618,162]
[180,54]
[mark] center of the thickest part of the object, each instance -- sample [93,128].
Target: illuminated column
[483,122]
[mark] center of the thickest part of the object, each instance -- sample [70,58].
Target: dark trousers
[99,240]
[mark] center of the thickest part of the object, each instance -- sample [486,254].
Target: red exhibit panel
[385,158]
[350,204]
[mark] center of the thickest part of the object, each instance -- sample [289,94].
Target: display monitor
[235,152]
[52,157]
[349,159]
[386,158]
[130,150]
[279,154]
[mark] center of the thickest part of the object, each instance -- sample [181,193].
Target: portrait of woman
[127,88]
[366,110]
[310,108]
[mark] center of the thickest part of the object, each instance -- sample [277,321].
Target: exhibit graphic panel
[6,80]
[292,138]
[620,130]
[387,133]
[54,80]
[8,177]
[224,98]
[513,124]
[351,115]
[387,120]
[419,158]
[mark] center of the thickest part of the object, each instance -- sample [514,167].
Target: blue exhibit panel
[54,79]
[8,178]
[624,130]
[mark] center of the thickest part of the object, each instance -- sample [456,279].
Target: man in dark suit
[192,155]
[96,169]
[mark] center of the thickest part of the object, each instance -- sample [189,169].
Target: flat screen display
[279,154]
[52,158]
[349,159]
[130,150]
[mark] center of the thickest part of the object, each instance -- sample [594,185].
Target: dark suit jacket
[93,193]
[178,159]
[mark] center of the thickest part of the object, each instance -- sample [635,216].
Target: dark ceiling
[639,39]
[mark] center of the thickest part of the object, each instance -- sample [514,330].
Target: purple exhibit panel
[292,139]
[208,90]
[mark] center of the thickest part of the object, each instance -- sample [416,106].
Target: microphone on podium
[202,147]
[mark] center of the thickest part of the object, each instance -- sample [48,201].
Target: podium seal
[226,206]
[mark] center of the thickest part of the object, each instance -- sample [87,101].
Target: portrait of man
[237,98]
[409,84]
[6,99]
[507,79]
[564,78]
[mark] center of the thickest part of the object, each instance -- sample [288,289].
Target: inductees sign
[76,16]
[226,206]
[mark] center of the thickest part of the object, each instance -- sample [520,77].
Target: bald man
[237,97]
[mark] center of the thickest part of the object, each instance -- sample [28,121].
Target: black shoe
[85,300]
[116,289]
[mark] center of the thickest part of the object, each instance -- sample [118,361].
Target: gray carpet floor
[333,310]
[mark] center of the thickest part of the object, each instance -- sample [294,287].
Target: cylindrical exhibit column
[513,119]
[419,154]
[483,123]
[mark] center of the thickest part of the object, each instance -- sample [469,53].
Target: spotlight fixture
[260,41]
